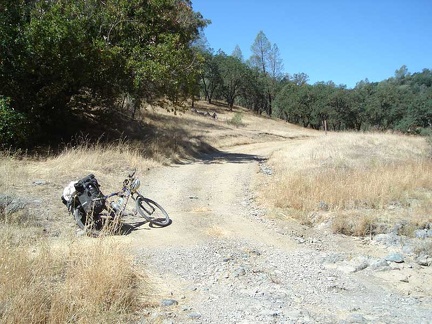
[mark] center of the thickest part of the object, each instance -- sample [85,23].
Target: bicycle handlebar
[122,192]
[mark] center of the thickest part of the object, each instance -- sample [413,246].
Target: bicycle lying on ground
[112,212]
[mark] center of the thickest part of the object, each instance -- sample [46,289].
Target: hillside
[261,229]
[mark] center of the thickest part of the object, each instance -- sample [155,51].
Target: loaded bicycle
[93,210]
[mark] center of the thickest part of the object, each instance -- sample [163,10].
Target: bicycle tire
[152,211]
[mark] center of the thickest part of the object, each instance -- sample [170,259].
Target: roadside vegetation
[81,282]
[47,274]
[363,184]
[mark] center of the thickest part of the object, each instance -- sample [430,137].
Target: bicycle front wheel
[152,211]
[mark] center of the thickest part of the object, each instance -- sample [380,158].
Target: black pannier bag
[88,195]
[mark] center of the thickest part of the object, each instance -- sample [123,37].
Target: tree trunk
[269,108]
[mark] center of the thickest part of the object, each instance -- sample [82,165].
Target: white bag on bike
[69,190]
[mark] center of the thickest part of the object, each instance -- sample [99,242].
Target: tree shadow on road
[221,156]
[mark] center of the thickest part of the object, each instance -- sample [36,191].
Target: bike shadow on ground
[129,227]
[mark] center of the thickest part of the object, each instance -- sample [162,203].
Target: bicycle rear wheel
[152,211]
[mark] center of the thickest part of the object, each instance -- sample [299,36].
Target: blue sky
[344,41]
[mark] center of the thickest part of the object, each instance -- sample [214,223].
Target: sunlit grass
[80,282]
[63,279]
[374,187]
[363,183]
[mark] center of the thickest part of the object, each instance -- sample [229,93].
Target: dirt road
[222,261]
[208,198]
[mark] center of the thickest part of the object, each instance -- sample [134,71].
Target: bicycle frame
[150,210]
[126,193]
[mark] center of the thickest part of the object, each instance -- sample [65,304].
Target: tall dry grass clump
[84,282]
[112,157]
[376,186]
[364,182]
[101,283]
[45,275]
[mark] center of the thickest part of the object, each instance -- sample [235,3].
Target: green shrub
[236,120]
[13,128]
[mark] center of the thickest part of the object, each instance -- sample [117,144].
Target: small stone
[347,268]
[80,232]
[270,313]
[423,233]
[39,182]
[194,315]
[356,318]
[169,302]
[239,272]
[300,240]
[379,264]
[424,260]
[395,257]
[391,239]
[323,206]
[362,266]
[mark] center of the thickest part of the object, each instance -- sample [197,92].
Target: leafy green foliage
[266,59]
[14,129]
[403,103]
[232,72]
[210,76]
[52,51]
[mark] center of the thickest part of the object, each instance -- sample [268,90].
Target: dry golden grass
[118,157]
[345,176]
[80,282]
[232,127]
[112,158]
[83,281]
[376,186]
